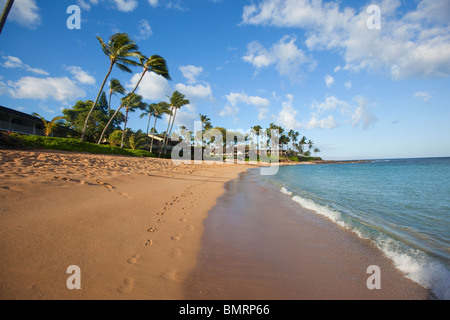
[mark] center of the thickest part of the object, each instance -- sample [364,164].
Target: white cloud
[348,84]
[325,123]
[329,80]
[362,115]
[235,98]
[24,12]
[125,5]
[60,89]
[80,75]
[191,73]
[152,87]
[330,103]
[260,103]
[411,44]
[14,62]
[153,3]
[229,111]
[425,95]
[356,115]
[284,55]
[286,117]
[145,31]
[86,4]
[195,92]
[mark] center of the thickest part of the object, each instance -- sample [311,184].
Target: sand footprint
[151,230]
[183,220]
[176,237]
[170,275]
[127,286]
[134,259]
[149,243]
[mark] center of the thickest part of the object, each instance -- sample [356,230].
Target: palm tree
[114,87]
[257,129]
[119,50]
[154,64]
[148,111]
[316,151]
[177,100]
[49,125]
[159,109]
[301,144]
[206,123]
[131,102]
[5,13]
[310,145]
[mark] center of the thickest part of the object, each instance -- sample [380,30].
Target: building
[22,123]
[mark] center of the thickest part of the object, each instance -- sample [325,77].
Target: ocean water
[401,205]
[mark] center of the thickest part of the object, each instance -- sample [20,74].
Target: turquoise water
[402,206]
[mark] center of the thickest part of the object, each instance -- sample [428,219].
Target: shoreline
[142,228]
[258,244]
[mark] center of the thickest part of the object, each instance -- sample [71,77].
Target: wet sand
[258,244]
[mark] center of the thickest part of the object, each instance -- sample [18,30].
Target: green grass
[304,159]
[65,144]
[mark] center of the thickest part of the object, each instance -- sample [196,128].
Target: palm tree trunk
[108,124]
[165,134]
[139,82]
[83,134]
[124,128]
[109,103]
[170,131]
[148,127]
[5,14]
[153,132]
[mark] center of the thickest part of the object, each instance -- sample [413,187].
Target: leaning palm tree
[5,13]
[49,125]
[177,100]
[131,103]
[115,87]
[120,49]
[159,109]
[154,64]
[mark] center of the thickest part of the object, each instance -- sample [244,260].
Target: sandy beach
[133,226]
[148,229]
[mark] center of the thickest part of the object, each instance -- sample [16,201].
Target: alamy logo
[74,21]
[374,21]
[237,146]
[74,281]
[374,281]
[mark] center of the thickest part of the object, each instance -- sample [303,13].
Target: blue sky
[311,66]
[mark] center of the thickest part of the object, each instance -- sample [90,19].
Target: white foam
[419,268]
[286,191]
[414,264]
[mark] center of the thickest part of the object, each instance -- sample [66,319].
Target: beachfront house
[15,121]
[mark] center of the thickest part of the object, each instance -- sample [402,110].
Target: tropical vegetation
[97,121]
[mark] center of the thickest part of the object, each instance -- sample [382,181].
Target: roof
[19,114]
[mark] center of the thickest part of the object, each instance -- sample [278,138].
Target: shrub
[67,144]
